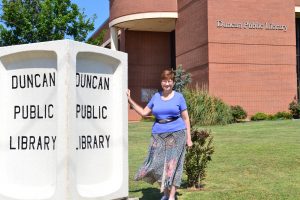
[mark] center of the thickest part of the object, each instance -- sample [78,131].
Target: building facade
[245,52]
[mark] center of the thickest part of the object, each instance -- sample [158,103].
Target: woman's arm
[186,119]
[143,112]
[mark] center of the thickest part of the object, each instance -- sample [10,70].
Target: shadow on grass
[184,185]
[151,194]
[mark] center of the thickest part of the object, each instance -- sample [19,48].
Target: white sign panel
[63,113]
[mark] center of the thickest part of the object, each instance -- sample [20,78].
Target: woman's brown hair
[167,74]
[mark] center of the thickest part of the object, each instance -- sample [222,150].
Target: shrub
[205,109]
[283,115]
[259,116]
[294,108]
[279,115]
[182,79]
[272,117]
[223,112]
[198,156]
[238,113]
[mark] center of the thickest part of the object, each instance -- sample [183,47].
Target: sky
[98,7]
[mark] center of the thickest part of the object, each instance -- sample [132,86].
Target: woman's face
[167,84]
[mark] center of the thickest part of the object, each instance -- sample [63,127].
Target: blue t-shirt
[163,109]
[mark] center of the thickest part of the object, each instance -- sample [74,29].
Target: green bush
[198,156]
[238,113]
[272,117]
[294,108]
[205,109]
[223,112]
[259,116]
[279,115]
[283,115]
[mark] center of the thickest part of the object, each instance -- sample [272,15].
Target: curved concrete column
[113,38]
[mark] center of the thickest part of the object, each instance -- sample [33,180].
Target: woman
[170,134]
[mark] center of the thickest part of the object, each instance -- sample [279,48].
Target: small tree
[198,157]
[29,21]
[182,79]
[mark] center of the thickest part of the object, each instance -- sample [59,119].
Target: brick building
[245,52]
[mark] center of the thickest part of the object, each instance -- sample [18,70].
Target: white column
[113,38]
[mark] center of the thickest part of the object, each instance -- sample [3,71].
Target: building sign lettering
[252,25]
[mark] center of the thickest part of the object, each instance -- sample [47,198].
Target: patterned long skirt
[164,162]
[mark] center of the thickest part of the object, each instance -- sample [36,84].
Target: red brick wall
[192,39]
[148,54]
[119,8]
[297,2]
[253,68]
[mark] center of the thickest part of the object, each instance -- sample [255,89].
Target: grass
[254,160]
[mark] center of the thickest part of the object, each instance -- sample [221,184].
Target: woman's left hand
[189,143]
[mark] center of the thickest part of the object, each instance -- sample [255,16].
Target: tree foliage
[28,21]
[99,39]
[182,79]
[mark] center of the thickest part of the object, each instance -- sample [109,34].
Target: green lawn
[254,160]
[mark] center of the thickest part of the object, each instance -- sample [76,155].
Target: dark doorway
[173,50]
[298,56]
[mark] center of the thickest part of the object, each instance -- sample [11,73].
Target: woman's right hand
[141,111]
[128,93]
[189,143]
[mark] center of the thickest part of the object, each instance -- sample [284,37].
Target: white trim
[108,40]
[149,15]
[297,9]
[105,43]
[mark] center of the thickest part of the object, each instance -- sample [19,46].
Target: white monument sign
[63,122]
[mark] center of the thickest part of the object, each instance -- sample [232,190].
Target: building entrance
[298,56]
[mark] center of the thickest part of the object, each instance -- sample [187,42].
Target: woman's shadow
[151,193]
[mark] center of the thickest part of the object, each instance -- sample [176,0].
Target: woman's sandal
[165,198]
[175,198]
